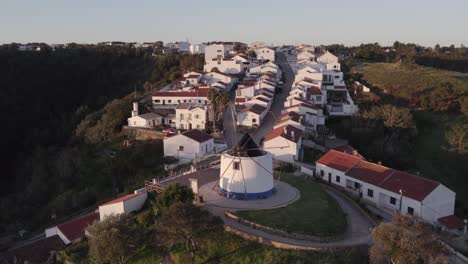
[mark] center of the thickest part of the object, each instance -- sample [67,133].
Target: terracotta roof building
[388,189]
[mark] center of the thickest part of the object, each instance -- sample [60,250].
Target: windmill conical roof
[247,147]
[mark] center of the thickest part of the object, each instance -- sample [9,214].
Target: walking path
[357,232]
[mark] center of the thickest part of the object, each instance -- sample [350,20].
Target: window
[198,126]
[410,210]
[185,101]
[181,116]
[318,98]
[370,193]
[393,200]
[322,173]
[236,165]
[254,120]
[337,179]
[178,101]
[199,101]
[357,185]
[169,101]
[196,117]
[157,101]
[336,77]
[181,148]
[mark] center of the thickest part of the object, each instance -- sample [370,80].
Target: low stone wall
[282,233]
[280,245]
[138,133]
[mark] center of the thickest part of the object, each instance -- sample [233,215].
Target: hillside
[436,107]
[410,81]
[47,171]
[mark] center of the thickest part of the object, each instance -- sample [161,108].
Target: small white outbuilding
[123,205]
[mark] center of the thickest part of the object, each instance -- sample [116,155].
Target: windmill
[246,169]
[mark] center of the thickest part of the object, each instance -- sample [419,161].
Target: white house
[314,117]
[388,189]
[251,116]
[197,48]
[215,51]
[290,118]
[189,145]
[306,55]
[224,65]
[330,60]
[123,205]
[284,143]
[174,97]
[191,116]
[265,54]
[148,120]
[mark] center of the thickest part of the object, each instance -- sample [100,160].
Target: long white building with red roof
[388,189]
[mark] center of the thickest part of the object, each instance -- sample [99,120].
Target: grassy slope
[403,81]
[429,157]
[315,213]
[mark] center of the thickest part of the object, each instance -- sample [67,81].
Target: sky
[276,22]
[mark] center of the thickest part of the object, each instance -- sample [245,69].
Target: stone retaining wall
[280,245]
[137,133]
[282,233]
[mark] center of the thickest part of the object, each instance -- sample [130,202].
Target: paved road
[357,232]
[278,103]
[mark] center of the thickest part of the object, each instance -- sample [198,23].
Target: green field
[315,213]
[429,157]
[404,81]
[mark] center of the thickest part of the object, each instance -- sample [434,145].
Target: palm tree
[218,101]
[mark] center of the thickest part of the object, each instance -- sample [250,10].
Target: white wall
[135,203]
[175,100]
[265,54]
[110,209]
[137,121]
[214,51]
[248,119]
[257,178]
[440,203]
[196,117]
[282,149]
[226,66]
[191,147]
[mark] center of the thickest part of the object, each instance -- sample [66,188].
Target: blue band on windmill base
[247,196]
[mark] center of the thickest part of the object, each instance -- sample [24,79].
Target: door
[190,126]
[329,178]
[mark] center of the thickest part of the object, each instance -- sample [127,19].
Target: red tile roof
[451,222]
[197,135]
[202,92]
[412,186]
[305,105]
[369,172]
[256,108]
[338,160]
[285,132]
[262,99]
[240,100]
[289,116]
[314,91]
[122,198]
[75,229]
[349,150]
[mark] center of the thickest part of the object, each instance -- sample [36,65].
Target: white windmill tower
[246,171]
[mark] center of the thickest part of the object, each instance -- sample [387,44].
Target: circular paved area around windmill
[283,195]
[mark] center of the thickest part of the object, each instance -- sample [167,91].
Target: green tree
[172,194]
[219,99]
[252,54]
[392,116]
[184,224]
[406,240]
[113,239]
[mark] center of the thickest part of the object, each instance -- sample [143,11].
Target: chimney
[285,131]
[135,109]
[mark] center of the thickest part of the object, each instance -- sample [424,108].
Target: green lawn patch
[315,213]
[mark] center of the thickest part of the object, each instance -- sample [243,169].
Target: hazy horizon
[297,21]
